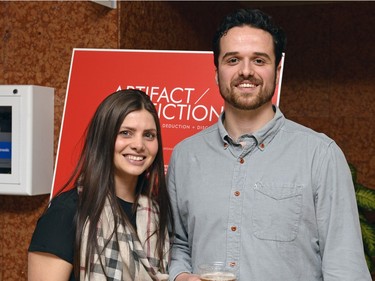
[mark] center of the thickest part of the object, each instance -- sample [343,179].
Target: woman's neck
[125,188]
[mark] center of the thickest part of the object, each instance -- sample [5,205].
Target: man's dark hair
[254,18]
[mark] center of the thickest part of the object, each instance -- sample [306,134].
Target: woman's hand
[187,277]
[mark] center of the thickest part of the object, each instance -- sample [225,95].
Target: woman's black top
[55,229]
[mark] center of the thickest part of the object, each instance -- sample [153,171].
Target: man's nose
[246,69]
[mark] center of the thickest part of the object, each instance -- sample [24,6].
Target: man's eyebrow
[259,54]
[264,55]
[228,54]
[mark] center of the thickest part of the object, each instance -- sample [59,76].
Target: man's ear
[216,78]
[278,70]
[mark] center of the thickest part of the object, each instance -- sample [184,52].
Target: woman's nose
[137,144]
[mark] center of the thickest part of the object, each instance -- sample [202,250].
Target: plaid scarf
[125,255]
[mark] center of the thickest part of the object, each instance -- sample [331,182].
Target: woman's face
[136,145]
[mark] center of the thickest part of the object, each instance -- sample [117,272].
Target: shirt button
[225,145]
[237,193]
[242,160]
[233,228]
[232,264]
[261,145]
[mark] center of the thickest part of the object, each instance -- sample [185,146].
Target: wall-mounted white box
[26,139]
[108,3]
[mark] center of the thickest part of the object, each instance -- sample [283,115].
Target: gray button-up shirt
[279,206]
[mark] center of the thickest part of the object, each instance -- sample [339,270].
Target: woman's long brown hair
[94,173]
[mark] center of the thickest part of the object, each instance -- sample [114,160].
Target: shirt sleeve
[340,238]
[180,256]
[55,229]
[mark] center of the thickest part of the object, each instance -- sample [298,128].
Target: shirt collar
[263,136]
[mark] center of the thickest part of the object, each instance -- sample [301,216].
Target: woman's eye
[150,136]
[124,133]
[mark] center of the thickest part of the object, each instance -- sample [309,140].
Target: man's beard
[253,101]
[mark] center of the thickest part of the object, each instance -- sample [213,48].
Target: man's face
[246,72]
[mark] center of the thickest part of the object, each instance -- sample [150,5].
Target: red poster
[181,84]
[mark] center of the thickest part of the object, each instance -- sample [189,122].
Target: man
[272,199]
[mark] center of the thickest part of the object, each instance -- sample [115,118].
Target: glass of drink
[216,271]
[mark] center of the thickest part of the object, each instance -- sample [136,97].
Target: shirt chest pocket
[277,211]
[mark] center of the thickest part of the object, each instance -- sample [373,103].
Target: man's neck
[239,122]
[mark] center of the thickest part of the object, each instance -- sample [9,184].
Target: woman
[113,224]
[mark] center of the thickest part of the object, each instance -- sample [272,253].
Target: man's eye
[232,60]
[259,61]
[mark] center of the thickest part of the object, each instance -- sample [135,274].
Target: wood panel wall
[328,81]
